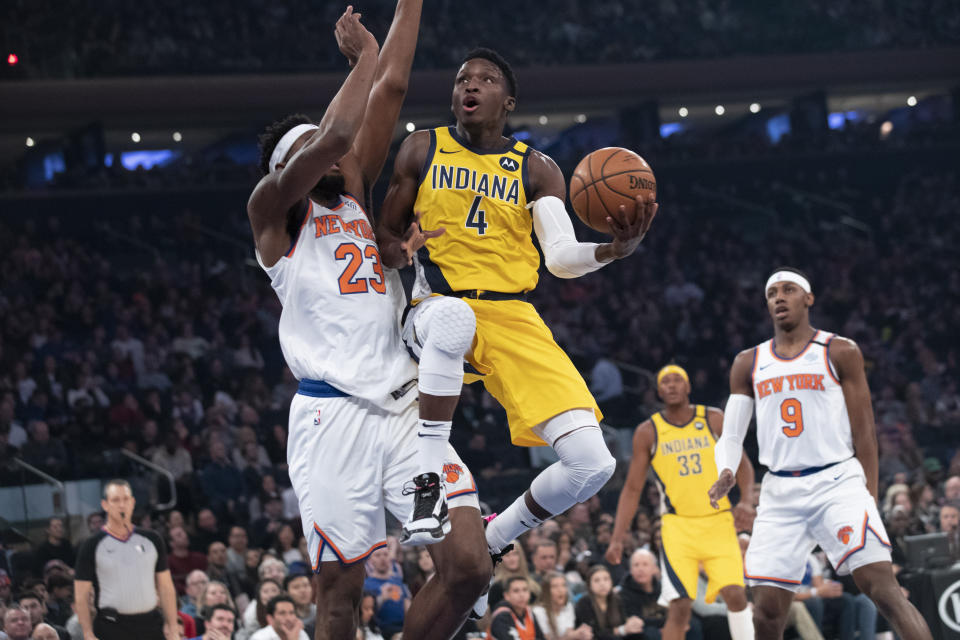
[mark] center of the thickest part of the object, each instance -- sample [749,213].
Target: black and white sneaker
[482,604]
[429,521]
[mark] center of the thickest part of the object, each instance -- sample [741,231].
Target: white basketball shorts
[831,508]
[348,460]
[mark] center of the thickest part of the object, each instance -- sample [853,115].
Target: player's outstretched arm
[278,191]
[563,255]
[389,90]
[643,440]
[743,511]
[398,230]
[848,361]
[736,420]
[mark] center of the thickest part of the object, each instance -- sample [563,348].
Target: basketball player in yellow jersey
[677,443]
[482,195]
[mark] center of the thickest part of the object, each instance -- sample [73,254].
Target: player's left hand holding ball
[629,227]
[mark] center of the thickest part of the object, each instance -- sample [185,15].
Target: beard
[330,186]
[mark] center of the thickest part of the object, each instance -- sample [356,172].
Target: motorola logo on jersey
[509,164]
[949,606]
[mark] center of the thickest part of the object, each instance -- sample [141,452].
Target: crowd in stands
[165,345]
[113,37]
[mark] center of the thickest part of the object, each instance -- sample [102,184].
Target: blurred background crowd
[138,336]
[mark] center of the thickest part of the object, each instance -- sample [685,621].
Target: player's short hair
[271,136]
[275,600]
[791,270]
[494,57]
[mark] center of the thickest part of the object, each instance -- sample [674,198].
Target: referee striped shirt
[123,570]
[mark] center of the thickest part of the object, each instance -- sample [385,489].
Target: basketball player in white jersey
[818,439]
[352,440]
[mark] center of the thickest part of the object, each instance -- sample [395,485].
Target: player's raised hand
[721,488]
[416,236]
[352,37]
[628,231]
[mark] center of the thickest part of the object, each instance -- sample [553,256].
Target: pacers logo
[949,606]
[452,473]
[844,534]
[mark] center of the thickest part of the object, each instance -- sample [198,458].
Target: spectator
[513,563]
[220,623]
[282,621]
[286,545]
[59,598]
[554,614]
[601,610]
[35,605]
[181,560]
[512,617]
[44,631]
[217,568]
[196,584]
[41,452]
[207,532]
[421,571]
[640,590]
[264,529]
[222,483]
[544,560]
[213,594]
[16,624]
[255,615]
[951,489]
[393,596]
[173,457]
[56,546]
[949,517]
[301,592]
[94,522]
[237,543]
[368,629]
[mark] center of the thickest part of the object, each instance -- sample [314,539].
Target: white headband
[788,276]
[283,147]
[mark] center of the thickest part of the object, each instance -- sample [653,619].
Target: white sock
[741,624]
[505,528]
[432,445]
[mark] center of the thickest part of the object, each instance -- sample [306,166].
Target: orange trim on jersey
[878,536]
[773,351]
[463,492]
[783,580]
[863,541]
[756,358]
[293,247]
[325,540]
[826,358]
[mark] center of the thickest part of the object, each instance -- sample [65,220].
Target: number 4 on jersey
[476,217]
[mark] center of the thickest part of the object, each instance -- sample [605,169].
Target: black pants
[142,626]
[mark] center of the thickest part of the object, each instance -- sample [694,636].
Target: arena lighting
[13,59]
[719,110]
[683,112]
[912,101]
[411,127]
[581,118]
[135,136]
[177,137]
[543,120]
[755,107]
[30,142]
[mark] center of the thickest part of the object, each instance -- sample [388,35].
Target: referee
[126,567]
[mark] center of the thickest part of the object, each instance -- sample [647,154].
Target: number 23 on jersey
[354,255]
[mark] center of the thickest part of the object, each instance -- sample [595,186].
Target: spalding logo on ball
[606,179]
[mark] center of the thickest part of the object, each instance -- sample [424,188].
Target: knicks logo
[452,473]
[844,534]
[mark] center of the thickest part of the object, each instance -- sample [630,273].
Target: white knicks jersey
[341,309]
[802,419]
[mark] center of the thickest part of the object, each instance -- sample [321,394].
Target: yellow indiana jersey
[479,197]
[684,465]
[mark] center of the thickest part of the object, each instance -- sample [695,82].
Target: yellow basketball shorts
[688,543]
[523,367]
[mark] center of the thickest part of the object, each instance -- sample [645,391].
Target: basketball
[606,179]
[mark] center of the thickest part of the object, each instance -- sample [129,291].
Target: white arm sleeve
[563,255]
[736,421]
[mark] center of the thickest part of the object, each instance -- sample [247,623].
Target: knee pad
[585,466]
[446,324]
[445,329]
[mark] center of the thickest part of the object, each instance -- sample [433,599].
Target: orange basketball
[606,179]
